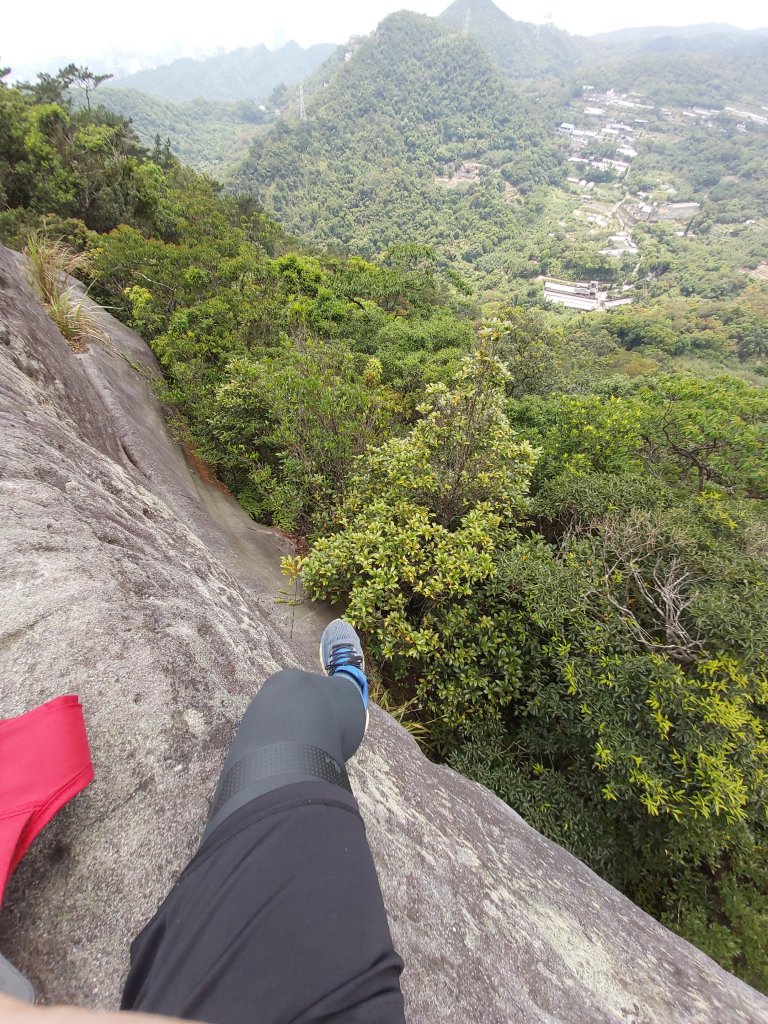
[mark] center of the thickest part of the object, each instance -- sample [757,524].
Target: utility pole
[302,107]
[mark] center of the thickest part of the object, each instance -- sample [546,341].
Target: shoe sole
[322,666]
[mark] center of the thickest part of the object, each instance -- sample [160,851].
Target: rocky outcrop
[127,579]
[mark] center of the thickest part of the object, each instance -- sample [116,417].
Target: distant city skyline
[49,35]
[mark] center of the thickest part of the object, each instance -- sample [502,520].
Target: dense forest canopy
[211,136]
[549,525]
[411,136]
[362,170]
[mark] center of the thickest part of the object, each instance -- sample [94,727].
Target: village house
[677,211]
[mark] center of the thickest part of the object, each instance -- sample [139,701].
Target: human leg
[293,726]
[279,917]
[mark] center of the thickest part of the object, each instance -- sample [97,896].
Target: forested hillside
[412,137]
[519,49]
[725,59]
[417,137]
[738,73]
[209,111]
[213,137]
[550,525]
[250,73]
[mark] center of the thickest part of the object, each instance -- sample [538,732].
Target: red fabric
[44,761]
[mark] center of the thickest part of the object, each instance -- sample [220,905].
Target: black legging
[279,916]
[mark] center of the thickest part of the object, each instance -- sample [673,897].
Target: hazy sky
[49,29]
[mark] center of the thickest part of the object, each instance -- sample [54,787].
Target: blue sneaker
[341,653]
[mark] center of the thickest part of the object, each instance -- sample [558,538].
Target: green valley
[212,136]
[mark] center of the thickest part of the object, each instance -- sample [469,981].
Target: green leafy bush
[419,529]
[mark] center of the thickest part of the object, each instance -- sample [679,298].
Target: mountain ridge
[689,31]
[248,73]
[519,49]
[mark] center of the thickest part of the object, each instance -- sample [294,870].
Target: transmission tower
[302,107]
[467,20]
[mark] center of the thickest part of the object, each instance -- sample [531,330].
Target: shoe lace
[341,655]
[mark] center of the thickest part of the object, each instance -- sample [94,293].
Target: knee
[290,679]
[292,688]
[289,695]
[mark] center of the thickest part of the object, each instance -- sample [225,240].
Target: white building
[586,297]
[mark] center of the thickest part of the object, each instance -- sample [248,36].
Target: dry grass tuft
[76,321]
[50,262]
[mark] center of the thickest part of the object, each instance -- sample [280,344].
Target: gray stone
[129,579]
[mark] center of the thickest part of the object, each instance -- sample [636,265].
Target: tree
[639,726]
[287,428]
[714,430]
[84,79]
[527,347]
